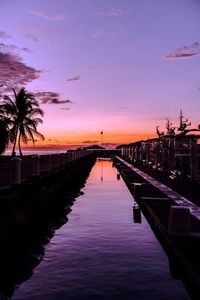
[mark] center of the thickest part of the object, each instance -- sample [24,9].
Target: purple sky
[121,66]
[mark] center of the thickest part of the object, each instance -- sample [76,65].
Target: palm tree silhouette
[4,135]
[4,130]
[22,112]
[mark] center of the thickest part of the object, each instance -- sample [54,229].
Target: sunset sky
[117,66]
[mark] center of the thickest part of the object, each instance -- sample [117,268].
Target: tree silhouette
[4,136]
[20,115]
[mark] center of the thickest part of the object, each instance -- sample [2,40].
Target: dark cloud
[74,78]
[4,35]
[25,49]
[14,72]
[89,142]
[12,48]
[51,98]
[185,52]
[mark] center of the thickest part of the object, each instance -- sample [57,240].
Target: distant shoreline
[34,152]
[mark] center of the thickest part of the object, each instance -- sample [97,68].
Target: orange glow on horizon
[110,140]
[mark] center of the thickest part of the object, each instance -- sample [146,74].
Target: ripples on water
[100,253]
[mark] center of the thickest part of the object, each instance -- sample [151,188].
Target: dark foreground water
[100,253]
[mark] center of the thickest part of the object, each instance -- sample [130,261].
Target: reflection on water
[100,253]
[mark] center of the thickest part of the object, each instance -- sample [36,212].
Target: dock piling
[179,220]
[36,165]
[16,170]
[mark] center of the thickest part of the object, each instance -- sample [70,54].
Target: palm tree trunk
[15,141]
[14,145]
[19,146]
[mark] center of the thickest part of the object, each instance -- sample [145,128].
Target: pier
[177,198]
[175,219]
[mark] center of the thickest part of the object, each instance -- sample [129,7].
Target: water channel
[101,253]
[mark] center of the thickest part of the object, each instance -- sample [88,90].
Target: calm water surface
[100,253]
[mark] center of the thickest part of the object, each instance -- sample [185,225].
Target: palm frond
[30,133]
[35,111]
[38,134]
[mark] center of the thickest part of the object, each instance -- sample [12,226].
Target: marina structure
[175,151]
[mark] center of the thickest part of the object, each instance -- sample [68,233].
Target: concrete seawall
[29,215]
[17,170]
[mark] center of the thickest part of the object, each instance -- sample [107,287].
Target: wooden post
[137,189]
[147,152]
[16,170]
[36,165]
[56,157]
[179,220]
[48,162]
[171,154]
[194,160]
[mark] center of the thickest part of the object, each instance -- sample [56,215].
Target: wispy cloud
[4,35]
[91,68]
[64,108]
[118,34]
[122,107]
[32,37]
[113,12]
[98,33]
[185,52]
[14,72]
[47,16]
[51,98]
[116,31]
[74,78]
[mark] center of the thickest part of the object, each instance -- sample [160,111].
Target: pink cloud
[65,108]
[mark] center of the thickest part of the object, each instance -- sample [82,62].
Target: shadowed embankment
[30,214]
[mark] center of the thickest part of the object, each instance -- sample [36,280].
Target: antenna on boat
[183,123]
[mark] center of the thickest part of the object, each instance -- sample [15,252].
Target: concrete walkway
[180,200]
